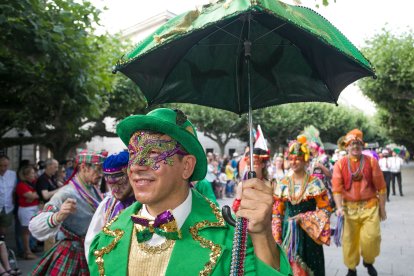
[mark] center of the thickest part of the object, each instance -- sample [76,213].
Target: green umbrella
[198,57]
[240,55]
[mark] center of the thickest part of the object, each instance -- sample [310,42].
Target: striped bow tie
[163,225]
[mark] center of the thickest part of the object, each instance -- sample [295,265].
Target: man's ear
[189,162]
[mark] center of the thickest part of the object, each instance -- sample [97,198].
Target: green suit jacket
[205,247]
[204,187]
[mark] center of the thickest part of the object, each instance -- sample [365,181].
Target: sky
[358,20]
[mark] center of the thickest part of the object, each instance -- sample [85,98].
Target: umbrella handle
[226,210]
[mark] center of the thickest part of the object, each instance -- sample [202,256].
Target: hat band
[114,170]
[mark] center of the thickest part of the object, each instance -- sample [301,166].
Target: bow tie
[163,225]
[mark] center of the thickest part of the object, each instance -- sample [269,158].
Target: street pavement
[397,247]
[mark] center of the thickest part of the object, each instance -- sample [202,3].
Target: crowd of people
[124,213]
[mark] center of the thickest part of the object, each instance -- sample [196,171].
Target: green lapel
[119,258]
[203,241]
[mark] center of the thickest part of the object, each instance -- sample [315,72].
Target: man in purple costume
[121,196]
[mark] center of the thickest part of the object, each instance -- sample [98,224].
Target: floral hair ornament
[299,147]
[147,149]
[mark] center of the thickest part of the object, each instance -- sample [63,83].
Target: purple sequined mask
[119,178]
[147,149]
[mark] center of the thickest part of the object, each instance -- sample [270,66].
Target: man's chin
[120,197]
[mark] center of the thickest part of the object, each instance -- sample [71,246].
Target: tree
[285,122]
[218,125]
[393,90]
[55,74]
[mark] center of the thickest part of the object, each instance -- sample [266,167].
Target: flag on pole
[260,140]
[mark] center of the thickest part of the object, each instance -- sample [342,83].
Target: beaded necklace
[357,175]
[85,193]
[291,196]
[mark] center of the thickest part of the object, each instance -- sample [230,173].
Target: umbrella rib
[226,44]
[278,27]
[220,44]
[237,65]
[227,32]
[221,28]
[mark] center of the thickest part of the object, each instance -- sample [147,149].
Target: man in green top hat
[172,229]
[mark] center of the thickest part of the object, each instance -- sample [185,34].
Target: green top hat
[175,124]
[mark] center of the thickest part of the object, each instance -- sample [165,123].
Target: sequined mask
[147,149]
[116,179]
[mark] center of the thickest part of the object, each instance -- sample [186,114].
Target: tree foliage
[55,74]
[218,125]
[393,91]
[283,123]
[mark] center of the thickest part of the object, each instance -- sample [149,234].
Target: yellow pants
[362,233]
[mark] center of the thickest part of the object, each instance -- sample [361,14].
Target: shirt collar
[180,213]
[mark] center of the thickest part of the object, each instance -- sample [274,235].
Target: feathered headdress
[312,136]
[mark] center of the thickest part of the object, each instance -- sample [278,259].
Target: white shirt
[210,176]
[384,164]
[96,225]
[223,178]
[8,183]
[395,164]
[180,214]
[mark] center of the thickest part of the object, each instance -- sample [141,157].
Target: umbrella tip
[374,77]
[114,70]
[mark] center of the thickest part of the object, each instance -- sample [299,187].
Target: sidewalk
[397,247]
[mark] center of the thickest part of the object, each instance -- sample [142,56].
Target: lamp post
[21,135]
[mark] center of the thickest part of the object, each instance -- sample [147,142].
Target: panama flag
[260,140]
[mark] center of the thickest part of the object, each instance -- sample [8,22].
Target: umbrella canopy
[198,57]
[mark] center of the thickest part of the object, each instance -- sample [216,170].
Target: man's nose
[137,167]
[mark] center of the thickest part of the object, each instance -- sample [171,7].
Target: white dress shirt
[8,183]
[395,164]
[384,164]
[180,214]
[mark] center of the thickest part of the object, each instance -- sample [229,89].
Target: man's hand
[339,212]
[256,205]
[68,207]
[382,213]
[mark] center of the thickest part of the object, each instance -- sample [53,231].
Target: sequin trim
[157,249]
[382,191]
[215,248]
[303,265]
[117,234]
